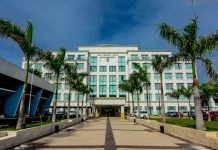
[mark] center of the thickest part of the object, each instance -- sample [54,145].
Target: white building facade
[108,65]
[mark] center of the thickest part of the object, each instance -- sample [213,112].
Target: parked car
[214,115]
[174,114]
[185,113]
[193,115]
[142,113]
[73,113]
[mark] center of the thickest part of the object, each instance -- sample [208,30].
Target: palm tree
[175,94]
[192,48]
[71,75]
[84,90]
[159,65]
[207,93]
[137,86]
[87,92]
[23,38]
[187,92]
[56,65]
[143,76]
[127,86]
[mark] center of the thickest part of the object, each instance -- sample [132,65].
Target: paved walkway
[109,134]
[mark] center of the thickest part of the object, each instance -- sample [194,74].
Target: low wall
[209,139]
[15,138]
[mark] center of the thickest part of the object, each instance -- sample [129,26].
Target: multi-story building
[108,65]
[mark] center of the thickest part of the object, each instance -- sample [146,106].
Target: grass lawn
[30,125]
[185,122]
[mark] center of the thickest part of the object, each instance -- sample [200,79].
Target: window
[93,68]
[156,76]
[171,108]
[154,56]
[189,76]
[169,86]
[145,57]
[112,91]
[121,60]
[189,84]
[94,90]
[102,79]
[182,108]
[149,97]
[157,86]
[146,65]
[112,68]
[80,97]
[81,57]
[169,98]
[112,80]
[178,66]
[102,90]
[135,97]
[168,76]
[181,97]
[179,76]
[134,56]
[71,57]
[149,76]
[122,77]
[38,66]
[66,86]
[59,86]
[93,79]
[103,69]
[188,66]
[66,95]
[93,61]
[58,97]
[158,97]
[80,66]
[122,68]
[48,76]
[179,85]
[165,56]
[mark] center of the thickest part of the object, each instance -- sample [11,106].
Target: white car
[142,113]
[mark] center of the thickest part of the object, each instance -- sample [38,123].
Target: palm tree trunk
[189,100]
[178,107]
[133,105]
[77,113]
[162,100]
[86,106]
[128,105]
[148,108]
[82,103]
[68,108]
[138,104]
[208,107]
[198,109]
[55,101]
[21,115]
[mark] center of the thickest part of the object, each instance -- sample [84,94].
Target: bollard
[56,128]
[134,120]
[161,129]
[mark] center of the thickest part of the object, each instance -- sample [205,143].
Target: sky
[69,24]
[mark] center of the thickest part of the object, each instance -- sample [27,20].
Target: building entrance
[110,111]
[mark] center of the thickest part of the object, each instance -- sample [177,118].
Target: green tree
[143,77]
[159,65]
[56,65]
[36,72]
[137,86]
[127,86]
[175,94]
[207,92]
[187,92]
[23,38]
[192,48]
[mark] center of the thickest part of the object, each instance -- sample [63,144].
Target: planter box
[209,139]
[14,138]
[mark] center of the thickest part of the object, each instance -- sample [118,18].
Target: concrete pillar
[122,112]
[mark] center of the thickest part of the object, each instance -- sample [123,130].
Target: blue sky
[64,23]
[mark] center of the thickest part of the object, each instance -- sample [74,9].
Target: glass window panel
[188,66]
[178,66]
[112,68]
[179,76]
[169,86]
[168,76]
[189,76]
[103,69]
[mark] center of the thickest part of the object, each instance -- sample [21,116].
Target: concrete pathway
[109,134]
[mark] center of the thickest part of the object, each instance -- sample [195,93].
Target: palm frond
[29,32]
[208,67]
[170,34]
